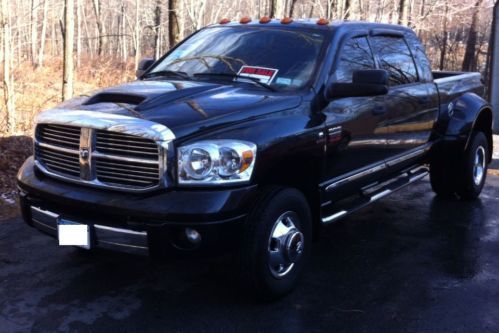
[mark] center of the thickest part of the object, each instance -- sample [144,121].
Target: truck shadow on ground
[365,271]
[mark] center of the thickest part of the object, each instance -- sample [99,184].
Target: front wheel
[276,243]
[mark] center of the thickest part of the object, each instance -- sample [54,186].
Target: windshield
[283,59]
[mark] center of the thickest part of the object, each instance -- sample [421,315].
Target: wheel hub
[479,165]
[286,245]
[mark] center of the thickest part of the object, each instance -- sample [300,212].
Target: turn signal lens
[248,157]
[286,20]
[224,21]
[245,20]
[322,21]
[265,19]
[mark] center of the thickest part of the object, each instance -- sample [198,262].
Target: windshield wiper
[235,76]
[182,75]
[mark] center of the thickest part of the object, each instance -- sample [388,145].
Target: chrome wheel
[285,244]
[479,165]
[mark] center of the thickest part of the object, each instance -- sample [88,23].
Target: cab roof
[313,23]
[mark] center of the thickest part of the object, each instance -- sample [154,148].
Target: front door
[356,138]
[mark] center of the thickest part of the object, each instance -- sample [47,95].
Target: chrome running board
[376,192]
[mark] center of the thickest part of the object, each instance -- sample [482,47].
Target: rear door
[411,103]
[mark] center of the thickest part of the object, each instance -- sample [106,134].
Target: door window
[395,57]
[355,55]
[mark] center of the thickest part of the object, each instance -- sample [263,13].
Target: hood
[185,106]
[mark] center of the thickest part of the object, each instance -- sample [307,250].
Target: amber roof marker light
[287,20]
[265,19]
[245,20]
[224,21]
[322,21]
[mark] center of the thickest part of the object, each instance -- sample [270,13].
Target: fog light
[193,235]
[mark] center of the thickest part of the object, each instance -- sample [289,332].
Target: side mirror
[372,82]
[143,66]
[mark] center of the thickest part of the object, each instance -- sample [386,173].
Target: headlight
[216,162]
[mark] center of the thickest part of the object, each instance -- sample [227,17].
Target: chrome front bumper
[101,236]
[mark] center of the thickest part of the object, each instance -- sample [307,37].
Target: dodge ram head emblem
[84,153]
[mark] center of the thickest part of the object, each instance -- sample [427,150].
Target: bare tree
[157,28]
[469,61]
[67,81]
[100,26]
[41,51]
[137,34]
[8,81]
[34,32]
[173,22]
[404,8]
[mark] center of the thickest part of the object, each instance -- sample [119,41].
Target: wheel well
[483,123]
[311,194]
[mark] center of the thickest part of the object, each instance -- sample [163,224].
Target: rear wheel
[466,177]
[474,168]
[276,243]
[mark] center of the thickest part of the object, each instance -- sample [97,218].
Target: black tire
[470,185]
[257,274]
[456,176]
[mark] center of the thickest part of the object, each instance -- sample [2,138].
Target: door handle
[379,110]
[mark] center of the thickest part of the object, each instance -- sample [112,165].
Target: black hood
[186,106]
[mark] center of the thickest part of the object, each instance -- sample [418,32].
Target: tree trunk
[443,48]
[346,9]
[41,51]
[404,6]
[173,22]
[8,81]
[67,80]
[157,27]
[292,7]
[79,34]
[469,61]
[137,34]
[34,32]
[277,8]
[100,26]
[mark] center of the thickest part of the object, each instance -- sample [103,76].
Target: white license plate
[72,234]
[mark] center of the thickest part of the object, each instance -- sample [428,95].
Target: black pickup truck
[249,137]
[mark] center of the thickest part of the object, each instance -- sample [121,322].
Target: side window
[355,55]
[395,57]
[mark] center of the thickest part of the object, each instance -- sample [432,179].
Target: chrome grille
[60,136]
[58,161]
[126,173]
[126,145]
[99,157]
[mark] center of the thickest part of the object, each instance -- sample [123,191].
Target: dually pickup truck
[249,137]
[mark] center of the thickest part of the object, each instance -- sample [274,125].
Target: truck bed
[451,85]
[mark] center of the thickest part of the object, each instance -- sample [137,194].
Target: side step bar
[378,191]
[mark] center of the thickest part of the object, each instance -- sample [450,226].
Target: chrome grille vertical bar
[86,154]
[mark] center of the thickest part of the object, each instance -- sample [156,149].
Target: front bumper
[146,223]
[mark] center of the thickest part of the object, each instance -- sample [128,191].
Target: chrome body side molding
[342,180]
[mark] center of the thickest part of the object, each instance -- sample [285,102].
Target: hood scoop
[115,98]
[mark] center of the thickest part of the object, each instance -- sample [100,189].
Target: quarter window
[355,55]
[395,57]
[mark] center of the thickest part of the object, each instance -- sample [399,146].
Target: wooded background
[52,49]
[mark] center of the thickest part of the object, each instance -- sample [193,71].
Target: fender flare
[465,114]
